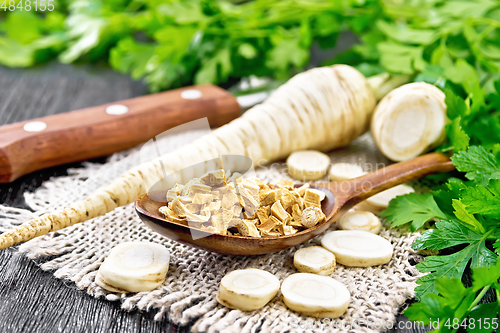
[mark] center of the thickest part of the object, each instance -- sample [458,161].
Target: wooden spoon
[340,197]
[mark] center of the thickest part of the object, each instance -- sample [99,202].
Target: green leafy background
[454,45]
[175,43]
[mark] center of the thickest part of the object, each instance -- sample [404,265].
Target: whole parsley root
[321,109]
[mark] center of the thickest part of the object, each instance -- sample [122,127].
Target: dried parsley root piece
[312,216]
[243,207]
[312,199]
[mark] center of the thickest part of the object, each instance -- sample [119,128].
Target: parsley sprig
[467,210]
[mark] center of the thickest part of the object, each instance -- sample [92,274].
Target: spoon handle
[358,189]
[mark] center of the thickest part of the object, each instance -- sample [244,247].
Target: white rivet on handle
[35,126]
[191,94]
[116,109]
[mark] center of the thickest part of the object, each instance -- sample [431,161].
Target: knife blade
[98,131]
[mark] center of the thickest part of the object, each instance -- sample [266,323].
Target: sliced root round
[380,201]
[314,259]
[134,267]
[360,220]
[409,121]
[247,289]
[345,171]
[358,248]
[307,164]
[315,295]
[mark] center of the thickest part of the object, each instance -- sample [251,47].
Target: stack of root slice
[409,121]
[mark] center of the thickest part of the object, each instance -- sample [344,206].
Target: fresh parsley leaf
[466,217]
[446,234]
[432,306]
[496,246]
[479,164]
[485,130]
[133,57]
[458,138]
[449,234]
[404,34]
[449,310]
[413,208]
[462,73]
[23,26]
[14,54]
[286,54]
[397,58]
[455,302]
[450,266]
[477,97]
[445,195]
[485,276]
[484,313]
[456,105]
[215,69]
[483,200]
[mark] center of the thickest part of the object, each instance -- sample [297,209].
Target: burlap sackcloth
[188,294]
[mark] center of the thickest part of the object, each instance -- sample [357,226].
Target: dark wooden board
[32,300]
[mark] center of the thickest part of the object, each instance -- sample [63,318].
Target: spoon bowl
[340,197]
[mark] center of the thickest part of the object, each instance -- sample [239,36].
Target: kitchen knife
[97,131]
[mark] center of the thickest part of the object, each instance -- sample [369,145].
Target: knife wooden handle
[102,130]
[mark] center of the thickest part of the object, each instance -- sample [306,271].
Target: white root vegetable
[409,121]
[380,201]
[315,295]
[360,220]
[314,259]
[307,165]
[247,289]
[320,109]
[345,171]
[134,267]
[357,248]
